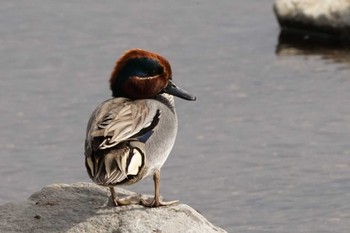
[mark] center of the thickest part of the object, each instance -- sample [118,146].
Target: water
[265,148]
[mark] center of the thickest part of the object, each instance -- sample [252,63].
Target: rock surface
[85,207]
[330,17]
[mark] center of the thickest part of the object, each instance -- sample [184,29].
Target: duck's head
[139,74]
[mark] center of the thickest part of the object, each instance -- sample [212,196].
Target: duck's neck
[167,99]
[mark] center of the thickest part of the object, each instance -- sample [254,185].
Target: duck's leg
[114,196]
[125,200]
[155,202]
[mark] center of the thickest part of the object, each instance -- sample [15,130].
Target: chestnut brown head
[140,74]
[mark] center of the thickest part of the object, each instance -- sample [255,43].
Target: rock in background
[325,20]
[85,207]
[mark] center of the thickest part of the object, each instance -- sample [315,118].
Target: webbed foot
[156,202]
[127,200]
[130,200]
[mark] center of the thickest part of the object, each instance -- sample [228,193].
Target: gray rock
[330,17]
[85,207]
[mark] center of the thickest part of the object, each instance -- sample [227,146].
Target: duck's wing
[121,121]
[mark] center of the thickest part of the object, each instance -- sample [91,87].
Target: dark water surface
[265,148]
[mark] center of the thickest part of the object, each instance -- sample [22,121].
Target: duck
[130,136]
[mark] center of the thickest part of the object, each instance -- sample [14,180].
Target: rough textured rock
[328,17]
[85,207]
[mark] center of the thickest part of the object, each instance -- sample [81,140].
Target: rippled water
[265,148]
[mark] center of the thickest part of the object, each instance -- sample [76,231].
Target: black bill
[174,90]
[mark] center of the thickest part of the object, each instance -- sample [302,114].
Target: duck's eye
[141,67]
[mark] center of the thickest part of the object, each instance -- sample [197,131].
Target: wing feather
[121,123]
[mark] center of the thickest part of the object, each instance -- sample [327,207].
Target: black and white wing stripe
[130,122]
[117,133]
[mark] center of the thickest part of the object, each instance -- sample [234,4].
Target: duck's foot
[144,201]
[126,200]
[156,202]
[129,200]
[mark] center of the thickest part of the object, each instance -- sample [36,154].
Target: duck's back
[126,140]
